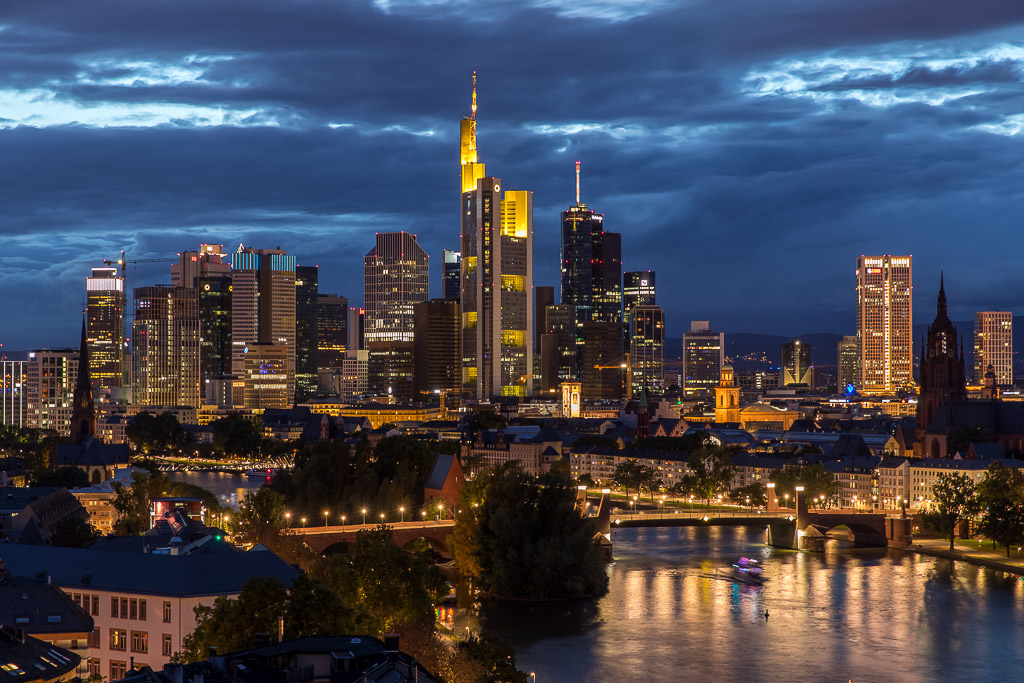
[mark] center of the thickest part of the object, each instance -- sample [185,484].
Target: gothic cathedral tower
[943,377]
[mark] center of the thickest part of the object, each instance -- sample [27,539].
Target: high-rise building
[451,275]
[262,307]
[848,363]
[165,346]
[104,322]
[637,290]
[558,347]
[331,331]
[603,362]
[396,275]
[703,358]
[52,374]
[993,345]
[193,265]
[356,328]
[214,327]
[306,342]
[591,267]
[13,392]
[943,376]
[265,377]
[884,324]
[355,373]
[543,297]
[647,349]
[795,364]
[390,370]
[436,347]
[497,278]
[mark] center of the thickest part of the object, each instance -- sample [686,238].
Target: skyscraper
[795,364]
[193,265]
[206,271]
[262,307]
[390,370]
[603,372]
[451,275]
[647,349]
[637,290]
[703,357]
[497,278]
[846,356]
[543,297]
[331,331]
[165,346]
[558,347]
[356,329]
[436,347]
[104,306]
[306,343]
[51,378]
[591,267]
[13,392]
[396,275]
[993,345]
[884,323]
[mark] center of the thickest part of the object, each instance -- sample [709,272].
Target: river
[229,488]
[846,614]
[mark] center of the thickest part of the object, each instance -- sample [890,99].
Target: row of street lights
[363,511]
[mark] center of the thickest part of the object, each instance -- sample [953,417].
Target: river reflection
[229,488]
[845,614]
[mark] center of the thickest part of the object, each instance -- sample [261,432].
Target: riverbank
[968,551]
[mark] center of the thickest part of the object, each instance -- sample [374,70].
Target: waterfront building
[637,290]
[390,370]
[52,374]
[451,274]
[885,313]
[497,278]
[795,365]
[848,363]
[993,345]
[104,316]
[943,377]
[647,349]
[13,392]
[306,340]
[396,275]
[165,346]
[703,358]
[265,377]
[263,308]
[436,347]
[331,331]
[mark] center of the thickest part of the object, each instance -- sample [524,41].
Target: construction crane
[628,367]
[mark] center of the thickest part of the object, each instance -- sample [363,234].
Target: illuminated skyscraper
[451,276]
[847,361]
[557,347]
[647,349]
[165,346]
[331,331]
[884,324]
[51,378]
[795,364]
[637,290]
[306,293]
[436,347]
[193,265]
[497,278]
[262,308]
[396,275]
[993,345]
[13,392]
[105,329]
[207,272]
[703,358]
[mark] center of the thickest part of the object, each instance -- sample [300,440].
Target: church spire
[942,296]
[83,413]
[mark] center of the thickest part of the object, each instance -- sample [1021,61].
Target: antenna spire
[577,182]
[473,115]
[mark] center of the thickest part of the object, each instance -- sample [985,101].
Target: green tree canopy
[1001,498]
[710,473]
[751,494]
[73,533]
[70,477]
[156,434]
[237,436]
[956,499]
[816,480]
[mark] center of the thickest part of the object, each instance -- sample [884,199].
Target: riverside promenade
[973,551]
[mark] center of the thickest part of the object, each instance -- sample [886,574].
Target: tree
[683,444]
[711,472]
[751,494]
[486,659]
[956,499]
[70,477]
[259,517]
[73,533]
[593,440]
[237,436]
[629,474]
[231,624]
[464,541]
[816,480]
[131,503]
[1001,498]
[484,419]
[533,543]
[159,434]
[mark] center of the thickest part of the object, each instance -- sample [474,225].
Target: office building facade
[993,345]
[436,347]
[637,290]
[885,312]
[262,307]
[396,275]
[214,294]
[331,330]
[848,363]
[13,392]
[647,349]
[558,347]
[703,358]
[306,341]
[603,374]
[51,378]
[451,274]
[165,346]
[104,323]
[795,364]
[390,370]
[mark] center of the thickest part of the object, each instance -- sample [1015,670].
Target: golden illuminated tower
[497,278]
[884,324]
[727,397]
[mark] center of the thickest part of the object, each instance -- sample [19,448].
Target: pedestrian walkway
[972,549]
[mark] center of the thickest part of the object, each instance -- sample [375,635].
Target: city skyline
[803,146]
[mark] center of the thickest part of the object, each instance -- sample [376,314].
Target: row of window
[90,604]
[120,608]
[119,640]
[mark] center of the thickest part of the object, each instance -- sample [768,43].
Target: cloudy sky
[748,151]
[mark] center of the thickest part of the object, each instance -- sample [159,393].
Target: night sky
[747,150]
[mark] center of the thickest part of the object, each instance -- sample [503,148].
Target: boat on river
[747,571]
[261,473]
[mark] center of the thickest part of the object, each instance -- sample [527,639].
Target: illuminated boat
[748,571]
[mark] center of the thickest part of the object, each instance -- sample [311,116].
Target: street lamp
[364,516]
[343,523]
[402,510]
[440,509]
[288,517]
[786,496]
[382,518]
[303,522]
[326,513]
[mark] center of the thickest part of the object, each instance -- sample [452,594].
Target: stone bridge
[322,538]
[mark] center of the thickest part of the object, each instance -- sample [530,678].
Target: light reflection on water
[846,614]
[229,488]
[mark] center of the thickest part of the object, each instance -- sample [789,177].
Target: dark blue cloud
[748,151]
